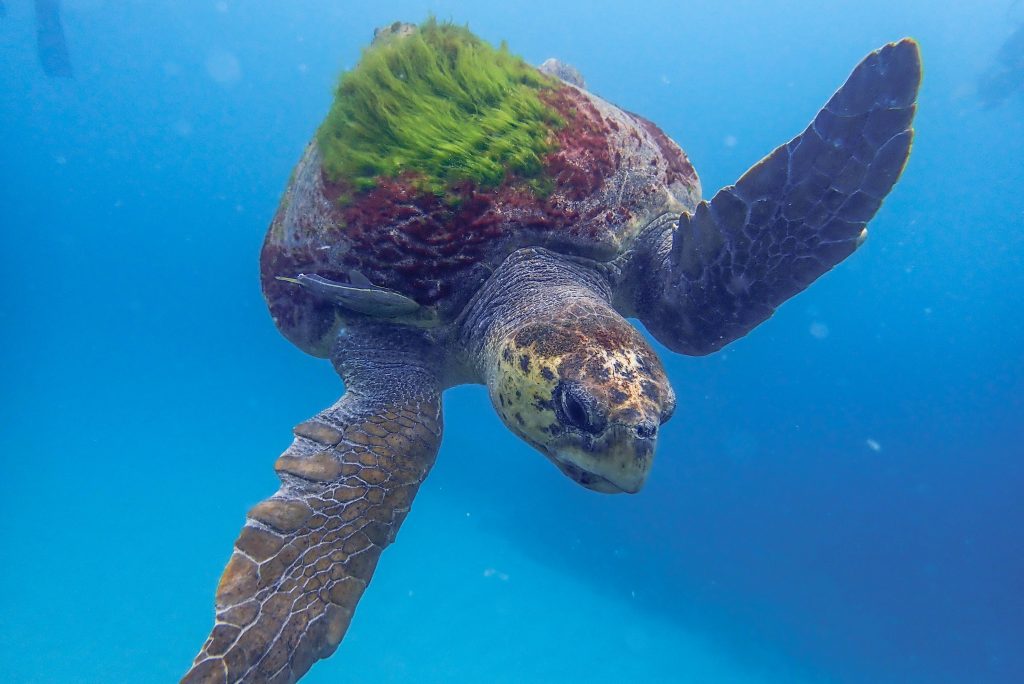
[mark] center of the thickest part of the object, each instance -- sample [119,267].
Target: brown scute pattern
[790,218]
[299,315]
[680,170]
[305,220]
[583,326]
[306,554]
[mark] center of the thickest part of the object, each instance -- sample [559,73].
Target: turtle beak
[616,461]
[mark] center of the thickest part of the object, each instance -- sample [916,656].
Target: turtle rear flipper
[306,554]
[789,219]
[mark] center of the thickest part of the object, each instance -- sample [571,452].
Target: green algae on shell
[442,107]
[604,174]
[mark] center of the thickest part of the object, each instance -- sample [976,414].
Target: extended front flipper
[307,553]
[789,219]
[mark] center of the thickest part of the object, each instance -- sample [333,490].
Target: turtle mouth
[581,476]
[591,481]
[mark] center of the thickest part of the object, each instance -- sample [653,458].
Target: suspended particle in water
[873,444]
[223,67]
[818,330]
[182,128]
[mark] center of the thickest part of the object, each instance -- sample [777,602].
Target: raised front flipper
[307,553]
[789,219]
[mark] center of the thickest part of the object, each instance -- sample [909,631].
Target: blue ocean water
[838,498]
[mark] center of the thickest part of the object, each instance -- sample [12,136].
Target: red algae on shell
[582,159]
[608,173]
[419,242]
[680,170]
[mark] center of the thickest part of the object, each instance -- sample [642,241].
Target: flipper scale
[306,554]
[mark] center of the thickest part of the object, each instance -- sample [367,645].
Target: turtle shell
[610,172]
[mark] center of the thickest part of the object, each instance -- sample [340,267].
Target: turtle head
[587,391]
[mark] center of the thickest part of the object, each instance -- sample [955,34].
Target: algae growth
[439,106]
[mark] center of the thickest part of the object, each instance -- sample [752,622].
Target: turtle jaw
[591,481]
[615,462]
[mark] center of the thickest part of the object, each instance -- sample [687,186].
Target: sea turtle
[461,217]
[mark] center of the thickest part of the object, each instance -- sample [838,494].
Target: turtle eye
[577,408]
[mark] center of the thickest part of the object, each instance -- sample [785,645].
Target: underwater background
[839,497]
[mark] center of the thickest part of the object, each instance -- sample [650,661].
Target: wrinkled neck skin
[531,284]
[638,279]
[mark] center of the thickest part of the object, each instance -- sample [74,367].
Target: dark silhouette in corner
[1005,77]
[50,44]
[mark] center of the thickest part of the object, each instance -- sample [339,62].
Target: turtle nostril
[646,430]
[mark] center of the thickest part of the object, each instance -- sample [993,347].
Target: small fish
[360,295]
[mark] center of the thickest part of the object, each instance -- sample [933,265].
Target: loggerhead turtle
[461,217]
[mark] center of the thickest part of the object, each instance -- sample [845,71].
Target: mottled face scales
[588,392]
